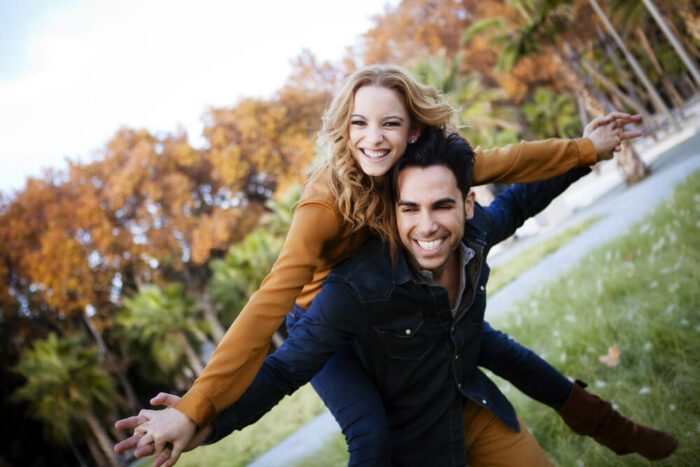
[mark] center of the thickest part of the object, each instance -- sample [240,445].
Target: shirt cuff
[197,407]
[586,151]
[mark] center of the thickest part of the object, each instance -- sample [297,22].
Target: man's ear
[469,204]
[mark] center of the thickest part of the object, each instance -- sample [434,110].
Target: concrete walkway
[606,196]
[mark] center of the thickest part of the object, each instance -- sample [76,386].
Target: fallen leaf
[612,358]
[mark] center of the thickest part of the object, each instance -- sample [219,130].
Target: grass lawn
[639,292]
[506,273]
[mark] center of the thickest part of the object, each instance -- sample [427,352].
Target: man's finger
[630,135]
[128,443]
[131,422]
[163,458]
[175,455]
[144,451]
[146,439]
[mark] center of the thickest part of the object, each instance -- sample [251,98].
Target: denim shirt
[423,361]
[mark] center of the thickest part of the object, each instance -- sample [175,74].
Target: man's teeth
[374,154]
[431,245]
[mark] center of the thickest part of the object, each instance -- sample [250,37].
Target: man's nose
[427,224]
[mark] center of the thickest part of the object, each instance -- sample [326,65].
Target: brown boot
[589,415]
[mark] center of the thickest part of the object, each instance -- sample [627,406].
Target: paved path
[619,206]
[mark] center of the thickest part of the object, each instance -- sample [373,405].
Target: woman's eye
[357,122]
[392,124]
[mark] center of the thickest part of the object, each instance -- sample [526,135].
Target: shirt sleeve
[333,320]
[241,352]
[531,161]
[514,206]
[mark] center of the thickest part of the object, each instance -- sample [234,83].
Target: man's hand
[147,423]
[607,133]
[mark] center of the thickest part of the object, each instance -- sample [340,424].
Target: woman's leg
[355,403]
[353,399]
[584,413]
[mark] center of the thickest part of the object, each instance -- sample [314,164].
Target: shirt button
[483,401]
[456,356]
[482,288]
[408,331]
[459,385]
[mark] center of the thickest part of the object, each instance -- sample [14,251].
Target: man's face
[430,215]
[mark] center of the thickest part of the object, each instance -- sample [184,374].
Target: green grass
[506,273]
[640,292]
[243,447]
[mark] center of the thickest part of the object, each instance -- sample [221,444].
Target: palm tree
[66,387]
[238,275]
[548,115]
[482,114]
[163,321]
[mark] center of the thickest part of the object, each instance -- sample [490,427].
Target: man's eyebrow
[406,203]
[447,200]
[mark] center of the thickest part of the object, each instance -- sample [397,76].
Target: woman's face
[380,128]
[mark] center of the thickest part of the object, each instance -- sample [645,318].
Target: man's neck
[449,277]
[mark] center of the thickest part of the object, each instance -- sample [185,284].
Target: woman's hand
[170,426]
[607,133]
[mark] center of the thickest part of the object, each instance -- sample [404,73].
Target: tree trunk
[192,357]
[95,451]
[670,90]
[205,304]
[628,162]
[612,89]
[610,52]
[577,84]
[692,67]
[631,166]
[76,453]
[103,440]
[128,390]
[655,98]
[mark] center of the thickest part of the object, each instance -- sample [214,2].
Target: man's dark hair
[434,147]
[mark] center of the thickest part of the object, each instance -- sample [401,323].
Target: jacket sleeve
[526,370]
[532,161]
[514,206]
[333,320]
[241,352]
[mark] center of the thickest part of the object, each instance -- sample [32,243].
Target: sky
[73,72]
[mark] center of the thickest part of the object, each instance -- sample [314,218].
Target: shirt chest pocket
[405,338]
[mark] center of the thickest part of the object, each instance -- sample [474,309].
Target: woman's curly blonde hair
[360,200]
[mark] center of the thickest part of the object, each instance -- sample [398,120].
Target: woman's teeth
[431,245]
[375,154]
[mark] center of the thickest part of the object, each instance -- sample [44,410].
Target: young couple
[393,340]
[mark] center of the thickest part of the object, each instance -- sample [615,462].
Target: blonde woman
[366,129]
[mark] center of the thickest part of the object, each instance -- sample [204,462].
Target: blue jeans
[353,399]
